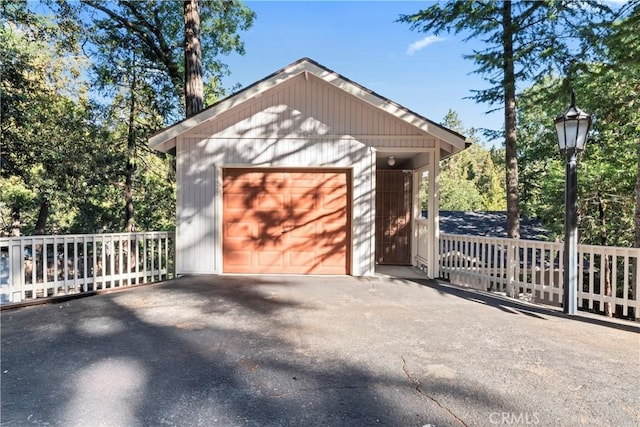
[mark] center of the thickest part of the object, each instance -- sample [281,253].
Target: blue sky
[361,41]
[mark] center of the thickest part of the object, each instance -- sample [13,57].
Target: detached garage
[304,172]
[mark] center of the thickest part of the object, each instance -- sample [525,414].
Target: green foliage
[608,169]
[459,194]
[42,120]
[62,150]
[154,198]
[155,30]
[472,169]
[469,180]
[72,159]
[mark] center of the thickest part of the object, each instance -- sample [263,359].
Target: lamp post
[572,128]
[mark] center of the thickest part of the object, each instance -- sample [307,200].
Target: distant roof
[490,224]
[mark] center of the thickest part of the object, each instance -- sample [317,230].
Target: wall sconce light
[391,161]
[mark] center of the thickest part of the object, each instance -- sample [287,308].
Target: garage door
[286,221]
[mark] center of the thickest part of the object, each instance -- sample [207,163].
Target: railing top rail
[504,240]
[84,236]
[614,250]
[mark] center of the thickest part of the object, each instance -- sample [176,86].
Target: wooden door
[393,217]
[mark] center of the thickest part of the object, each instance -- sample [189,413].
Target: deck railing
[533,270]
[34,267]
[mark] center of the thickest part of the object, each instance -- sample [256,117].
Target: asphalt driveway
[274,351]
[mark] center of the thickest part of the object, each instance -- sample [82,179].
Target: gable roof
[165,139]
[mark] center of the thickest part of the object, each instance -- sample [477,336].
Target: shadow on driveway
[215,350]
[512,306]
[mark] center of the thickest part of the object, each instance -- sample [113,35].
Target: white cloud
[421,44]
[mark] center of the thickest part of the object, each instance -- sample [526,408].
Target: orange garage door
[286,221]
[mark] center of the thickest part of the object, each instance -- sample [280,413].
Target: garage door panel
[268,238]
[241,230]
[238,180]
[335,228]
[235,258]
[334,178]
[300,198]
[301,217]
[270,259]
[288,221]
[304,180]
[301,259]
[270,201]
[267,218]
[268,229]
[303,231]
[334,241]
[303,203]
[271,187]
[301,209]
[271,181]
[332,259]
[333,201]
[327,217]
[236,201]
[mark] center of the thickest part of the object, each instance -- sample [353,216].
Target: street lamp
[572,128]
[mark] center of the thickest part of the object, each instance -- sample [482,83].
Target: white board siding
[198,225]
[195,211]
[313,107]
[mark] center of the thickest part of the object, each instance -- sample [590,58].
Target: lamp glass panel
[561,136]
[571,133]
[581,138]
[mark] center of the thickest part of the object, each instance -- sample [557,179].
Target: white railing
[34,267]
[533,270]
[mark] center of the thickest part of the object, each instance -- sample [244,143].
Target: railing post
[511,269]
[433,257]
[636,282]
[416,215]
[16,280]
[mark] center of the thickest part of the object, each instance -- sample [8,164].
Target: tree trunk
[634,283]
[15,221]
[129,220]
[607,268]
[511,161]
[637,215]
[607,286]
[128,195]
[193,87]
[43,214]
